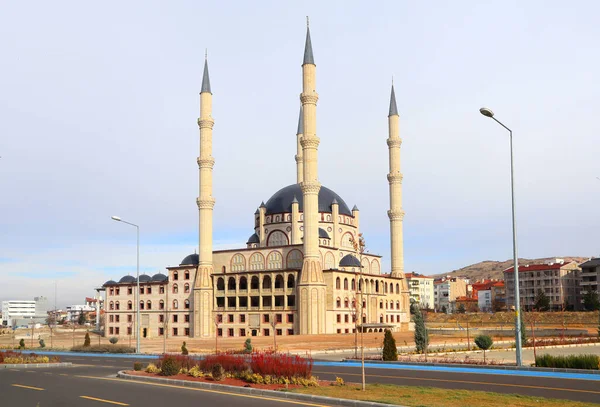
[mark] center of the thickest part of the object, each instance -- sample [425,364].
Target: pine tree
[523,332]
[421,334]
[390,352]
[87,341]
[542,302]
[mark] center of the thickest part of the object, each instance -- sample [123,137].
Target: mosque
[301,271]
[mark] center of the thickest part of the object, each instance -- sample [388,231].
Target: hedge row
[569,362]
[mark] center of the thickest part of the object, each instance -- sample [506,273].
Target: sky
[99,102]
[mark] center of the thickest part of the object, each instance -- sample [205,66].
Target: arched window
[294,259]
[397,304]
[112,305]
[397,289]
[391,288]
[161,304]
[360,284]
[347,241]
[381,318]
[175,304]
[380,304]
[117,306]
[243,283]
[266,283]
[385,286]
[175,289]
[376,286]
[345,284]
[338,302]
[391,304]
[186,304]
[274,261]
[386,305]
[366,266]
[149,304]
[129,305]
[175,275]
[375,269]
[353,285]
[254,284]
[238,263]
[187,275]
[224,269]
[220,284]
[346,303]
[257,262]
[329,261]
[141,304]
[337,283]
[291,281]
[277,238]
[231,284]
[279,281]
[186,288]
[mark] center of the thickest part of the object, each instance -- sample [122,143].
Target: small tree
[421,334]
[390,351]
[413,308]
[591,302]
[22,344]
[114,340]
[461,309]
[484,342]
[82,320]
[542,302]
[42,343]
[87,341]
[248,346]
[184,350]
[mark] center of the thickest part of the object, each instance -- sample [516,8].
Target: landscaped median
[14,360]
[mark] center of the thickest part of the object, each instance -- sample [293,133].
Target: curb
[34,365]
[257,392]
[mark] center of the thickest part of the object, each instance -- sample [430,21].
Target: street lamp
[488,113]
[137,301]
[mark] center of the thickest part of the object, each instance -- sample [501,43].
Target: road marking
[27,387]
[64,374]
[31,371]
[47,372]
[104,401]
[467,382]
[206,391]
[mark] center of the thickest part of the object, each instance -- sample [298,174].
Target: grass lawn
[434,397]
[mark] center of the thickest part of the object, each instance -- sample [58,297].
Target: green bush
[42,343]
[169,367]
[390,351]
[184,350]
[114,340]
[22,344]
[484,342]
[137,366]
[86,341]
[248,345]
[217,372]
[591,362]
[103,349]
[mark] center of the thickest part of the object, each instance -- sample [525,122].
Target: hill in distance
[490,269]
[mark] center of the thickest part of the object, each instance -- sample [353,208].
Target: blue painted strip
[100,355]
[528,373]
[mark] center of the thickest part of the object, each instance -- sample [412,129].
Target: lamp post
[137,301]
[488,113]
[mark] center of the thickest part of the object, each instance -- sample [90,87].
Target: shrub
[86,341]
[23,358]
[390,351]
[195,372]
[151,368]
[484,342]
[103,349]
[181,361]
[569,362]
[281,365]
[184,350]
[114,340]
[138,366]
[42,343]
[169,366]
[230,362]
[339,381]
[421,334]
[22,344]
[217,372]
[248,345]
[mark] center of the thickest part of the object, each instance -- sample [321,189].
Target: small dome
[323,234]
[253,239]
[127,279]
[349,261]
[110,282]
[159,278]
[144,278]
[191,260]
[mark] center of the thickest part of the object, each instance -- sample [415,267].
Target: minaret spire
[299,158]
[311,285]
[393,107]
[203,287]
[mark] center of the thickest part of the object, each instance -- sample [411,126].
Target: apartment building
[421,290]
[590,276]
[446,291]
[559,280]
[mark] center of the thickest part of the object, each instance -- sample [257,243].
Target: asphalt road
[93,378]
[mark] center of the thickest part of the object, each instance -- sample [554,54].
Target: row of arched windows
[255,283]
[371,286]
[115,305]
[186,288]
[274,261]
[186,275]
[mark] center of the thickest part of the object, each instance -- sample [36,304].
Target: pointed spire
[301,121]
[334,202]
[205,78]
[262,205]
[308,52]
[295,200]
[355,208]
[393,107]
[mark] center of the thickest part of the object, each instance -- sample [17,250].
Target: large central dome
[281,201]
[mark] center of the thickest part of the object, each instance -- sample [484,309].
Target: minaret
[396,214]
[203,287]
[311,287]
[299,157]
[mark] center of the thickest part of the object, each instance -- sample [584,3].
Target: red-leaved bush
[229,361]
[281,365]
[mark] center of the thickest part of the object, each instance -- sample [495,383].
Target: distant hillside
[493,269]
